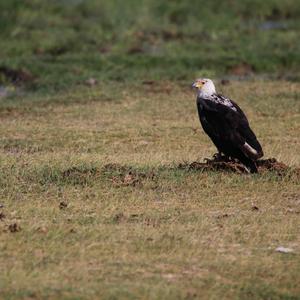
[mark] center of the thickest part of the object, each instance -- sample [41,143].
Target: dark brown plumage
[227,125]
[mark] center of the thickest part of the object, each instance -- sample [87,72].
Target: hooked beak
[197,85]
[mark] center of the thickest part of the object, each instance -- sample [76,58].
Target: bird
[227,125]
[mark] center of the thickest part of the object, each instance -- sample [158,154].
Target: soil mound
[225,164]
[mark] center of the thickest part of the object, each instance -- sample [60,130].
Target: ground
[103,190]
[94,203]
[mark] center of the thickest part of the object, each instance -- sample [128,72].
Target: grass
[90,177]
[63,43]
[96,119]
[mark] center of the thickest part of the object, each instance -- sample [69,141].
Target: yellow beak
[197,84]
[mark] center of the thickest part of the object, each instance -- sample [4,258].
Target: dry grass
[141,228]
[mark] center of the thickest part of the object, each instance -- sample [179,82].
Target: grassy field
[102,210]
[97,120]
[62,43]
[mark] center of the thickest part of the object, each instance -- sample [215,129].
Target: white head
[205,87]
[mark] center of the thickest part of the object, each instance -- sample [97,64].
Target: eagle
[227,126]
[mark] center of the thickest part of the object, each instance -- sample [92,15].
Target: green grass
[91,179]
[63,43]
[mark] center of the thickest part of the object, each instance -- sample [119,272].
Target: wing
[229,124]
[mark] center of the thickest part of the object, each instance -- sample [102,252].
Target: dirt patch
[53,51]
[225,81]
[135,50]
[129,176]
[131,218]
[121,175]
[271,164]
[155,87]
[15,76]
[224,164]
[241,69]
[148,82]
[63,205]
[135,218]
[213,166]
[14,227]
[126,176]
[81,176]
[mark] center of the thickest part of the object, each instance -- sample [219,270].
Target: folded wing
[225,122]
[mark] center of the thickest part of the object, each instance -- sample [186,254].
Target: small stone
[284,250]
[91,81]
[42,229]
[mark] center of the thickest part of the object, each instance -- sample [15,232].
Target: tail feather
[250,152]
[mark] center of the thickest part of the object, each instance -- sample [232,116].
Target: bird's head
[205,87]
